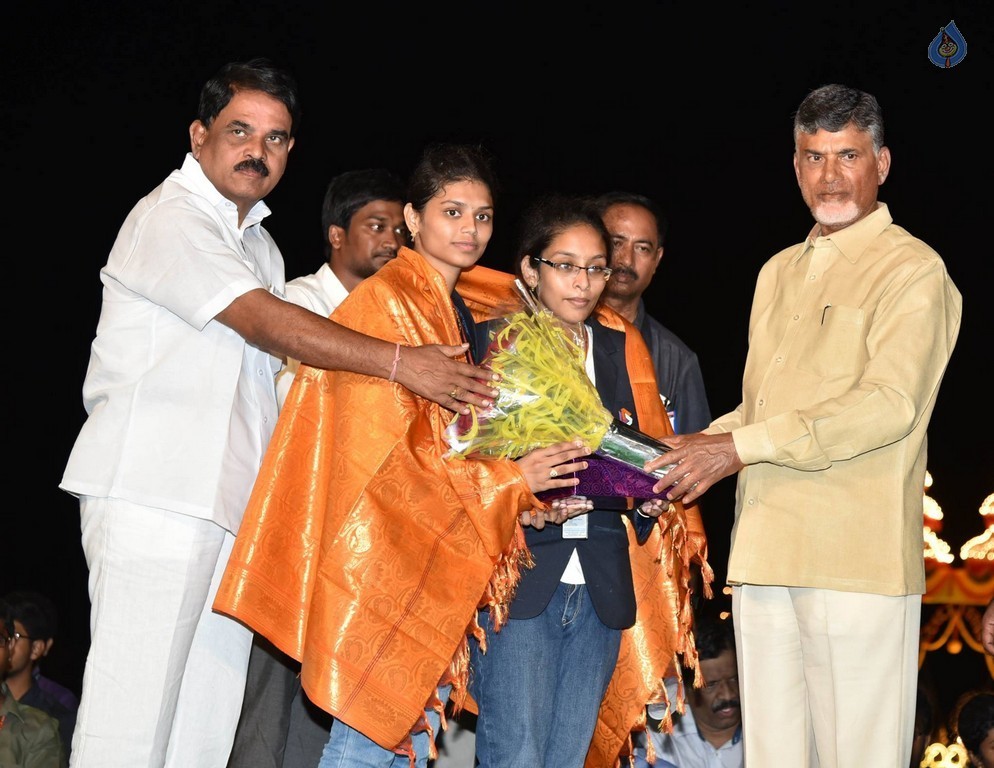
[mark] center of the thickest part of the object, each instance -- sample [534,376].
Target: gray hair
[833,107]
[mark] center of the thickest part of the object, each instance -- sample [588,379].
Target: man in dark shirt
[34,620]
[638,229]
[28,736]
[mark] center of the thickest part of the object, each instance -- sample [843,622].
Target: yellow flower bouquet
[546,397]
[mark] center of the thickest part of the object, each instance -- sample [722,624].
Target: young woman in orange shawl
[363,552]
[600,619]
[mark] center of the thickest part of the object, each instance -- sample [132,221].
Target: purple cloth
[607,477]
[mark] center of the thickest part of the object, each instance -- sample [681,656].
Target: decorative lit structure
[936,550]
[960,593]
[978,552]
[939,755]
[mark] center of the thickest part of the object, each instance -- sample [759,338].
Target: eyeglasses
[565,268]
[18,636]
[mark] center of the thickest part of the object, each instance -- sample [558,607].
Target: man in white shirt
[709,733]
[181,404]
[363,222]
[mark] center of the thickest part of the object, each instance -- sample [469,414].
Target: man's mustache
[725,704]
[618,271]
[253,164]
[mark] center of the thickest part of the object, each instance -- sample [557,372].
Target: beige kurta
[849,338]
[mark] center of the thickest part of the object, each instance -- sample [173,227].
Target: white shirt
[180,407]
[685,747]
[320,292]
[573,573]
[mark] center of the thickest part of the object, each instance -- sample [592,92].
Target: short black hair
[975,720]
[621,197]
[35,611]
[713,635]
[443,163]
[259,74]
[349,191]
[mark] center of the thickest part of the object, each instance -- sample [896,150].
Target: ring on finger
[553,473]
[452,394]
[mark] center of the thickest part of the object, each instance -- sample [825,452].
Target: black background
[690,106]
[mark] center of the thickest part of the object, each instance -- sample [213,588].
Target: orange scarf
[661,567]
[363,553]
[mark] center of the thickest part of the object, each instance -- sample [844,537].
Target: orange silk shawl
[661,567]
[363,553]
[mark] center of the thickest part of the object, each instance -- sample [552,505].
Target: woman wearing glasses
[539,681]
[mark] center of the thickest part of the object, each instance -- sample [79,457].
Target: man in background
[362,218]
[66,696]
[34,617]
[709,733]
[975,726]
[29,738]
[638,229]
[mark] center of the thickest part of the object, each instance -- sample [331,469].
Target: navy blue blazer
[604,558]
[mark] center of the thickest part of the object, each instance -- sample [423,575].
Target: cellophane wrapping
[546,397]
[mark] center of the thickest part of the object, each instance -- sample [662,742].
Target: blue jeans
[349,748]
[540,684]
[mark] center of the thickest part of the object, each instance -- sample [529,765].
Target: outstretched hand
[655,507]
[699,461]
[432,372]
[544,469]
[558,513]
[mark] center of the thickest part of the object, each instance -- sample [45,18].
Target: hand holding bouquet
[546,397]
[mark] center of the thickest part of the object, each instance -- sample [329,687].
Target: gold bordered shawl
[363,553]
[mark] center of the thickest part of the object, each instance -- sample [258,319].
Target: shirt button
[812,277]
[797,317]
[779,359]
[762,402]
[751,502]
